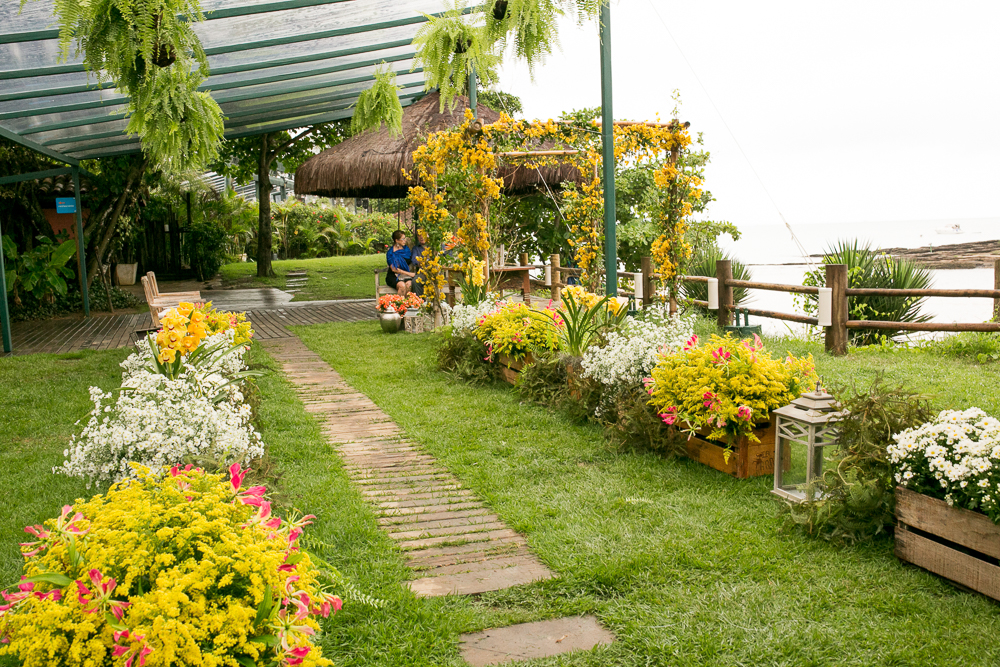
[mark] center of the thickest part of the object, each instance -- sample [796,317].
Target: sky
[882,110]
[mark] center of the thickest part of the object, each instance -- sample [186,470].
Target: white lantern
[803,431]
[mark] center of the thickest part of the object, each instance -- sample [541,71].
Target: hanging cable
[795,238]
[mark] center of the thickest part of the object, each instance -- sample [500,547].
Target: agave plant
[703,264]
[871,268]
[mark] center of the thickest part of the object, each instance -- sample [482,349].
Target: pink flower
[711,401]
[691,343]
[253,496]
[326,604]
[140,651]
[24,591]
[720,355]
[39,545]
[100,595]
[744,412]
[670,416]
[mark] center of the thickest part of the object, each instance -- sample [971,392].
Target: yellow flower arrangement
[179,568]
[182,332]
[726,385]
[515,329]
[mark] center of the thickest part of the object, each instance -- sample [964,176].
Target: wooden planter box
[952,542]
[509,369]
[748,459]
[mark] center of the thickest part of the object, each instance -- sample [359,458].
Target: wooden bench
[158,304]
[183,296]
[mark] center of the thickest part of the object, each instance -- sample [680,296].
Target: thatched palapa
[371,164]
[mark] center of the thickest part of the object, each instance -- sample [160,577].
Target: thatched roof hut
[371,164]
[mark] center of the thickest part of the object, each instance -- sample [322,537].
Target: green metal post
[608,141]
[80,242]
[4,313]
[473,92]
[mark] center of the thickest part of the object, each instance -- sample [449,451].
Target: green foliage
[205,247]
[583,322]
[858,500]
[148,47]
[983,347]
[528,26]
[632,423]
[449,47]
[41,272]
[464,358]
[180,127]
[870,268]
[379,104]
[501,102]
[544,381]
[239,158]
[703,264]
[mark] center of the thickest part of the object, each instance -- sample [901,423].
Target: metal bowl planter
[390,322]
[500,10]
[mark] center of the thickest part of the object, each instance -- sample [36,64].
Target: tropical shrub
[465,356]
[516,329]
[205,245]
[703,264]
[180,567]
[954,457]
[854,501]
[981,346]
[726,385]
[870,268]
[586,317]
[41,272]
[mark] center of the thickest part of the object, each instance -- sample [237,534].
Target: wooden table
[525,272]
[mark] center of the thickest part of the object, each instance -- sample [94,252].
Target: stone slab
[540,639]
[472,583]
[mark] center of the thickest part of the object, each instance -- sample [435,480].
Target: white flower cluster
[956,456]
[465,319]
[631,352]
[156,421]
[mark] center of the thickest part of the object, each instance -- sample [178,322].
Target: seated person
[417,262]
[398,259]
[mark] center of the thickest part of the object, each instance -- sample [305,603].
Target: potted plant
[722,393]
[392,307]
[947,473]
[514,331]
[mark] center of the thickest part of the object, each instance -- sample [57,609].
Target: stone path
[525,641]
[454,542]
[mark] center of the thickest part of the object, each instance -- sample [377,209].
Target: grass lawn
[685,565]
[326,277]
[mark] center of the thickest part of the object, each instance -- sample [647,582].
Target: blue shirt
[399,258]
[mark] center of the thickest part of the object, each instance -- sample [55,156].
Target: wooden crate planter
[509,368]
[955,543]
[748,459]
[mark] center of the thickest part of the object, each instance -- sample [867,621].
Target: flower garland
[456,170]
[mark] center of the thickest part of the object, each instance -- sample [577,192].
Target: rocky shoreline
[974,255]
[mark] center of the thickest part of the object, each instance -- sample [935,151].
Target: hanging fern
[529,26]
[180,126]
[379,104]
[449,47]
[146,47]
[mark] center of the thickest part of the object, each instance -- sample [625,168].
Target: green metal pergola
[274,66]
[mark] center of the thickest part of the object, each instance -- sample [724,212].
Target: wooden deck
[108,332]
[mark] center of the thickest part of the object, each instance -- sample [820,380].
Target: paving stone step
[432,499]
[424,542]
[436,507]
[470,583]
[463,530]
[527,641]
[430,516]
[426,566]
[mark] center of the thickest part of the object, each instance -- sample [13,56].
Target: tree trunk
[97,255]
[264,202]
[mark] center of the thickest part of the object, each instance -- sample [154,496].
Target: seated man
[418,262]
[398,259]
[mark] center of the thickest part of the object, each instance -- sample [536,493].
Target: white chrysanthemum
[631,353]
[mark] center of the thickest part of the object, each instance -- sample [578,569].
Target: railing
[833,298]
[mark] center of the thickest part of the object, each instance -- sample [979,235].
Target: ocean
[773,256]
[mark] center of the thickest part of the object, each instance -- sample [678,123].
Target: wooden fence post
[556,278]
[451,290]
[996,285]
[836,335]
[724,272]
[526,282]
[646,266]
